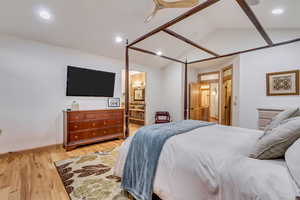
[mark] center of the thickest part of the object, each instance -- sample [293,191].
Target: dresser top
[98,110]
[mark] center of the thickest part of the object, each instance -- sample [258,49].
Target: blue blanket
[144,151]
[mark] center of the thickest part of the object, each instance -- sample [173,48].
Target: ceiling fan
[162,4]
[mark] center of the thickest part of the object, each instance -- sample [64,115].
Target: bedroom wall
[172,90]
[254,67]
[32,87]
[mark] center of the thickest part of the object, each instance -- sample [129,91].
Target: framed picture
[113,102]
[139,95]
[283,83]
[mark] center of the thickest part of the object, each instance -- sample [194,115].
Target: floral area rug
[90,177]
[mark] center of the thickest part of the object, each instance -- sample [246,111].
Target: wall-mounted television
[90,83]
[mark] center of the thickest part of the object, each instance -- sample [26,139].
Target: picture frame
[283,83]
[139,94]
[114,102]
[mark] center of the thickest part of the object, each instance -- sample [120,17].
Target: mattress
[211,163]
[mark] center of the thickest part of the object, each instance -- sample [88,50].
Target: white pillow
[292,158]
[290,112]
[275,144]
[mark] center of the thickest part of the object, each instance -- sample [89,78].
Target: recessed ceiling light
[44,14]
[118,39]
[159,53]
[277,11]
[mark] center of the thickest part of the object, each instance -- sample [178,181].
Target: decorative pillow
[275,144]
[290,112]
[292,159]
[296,114]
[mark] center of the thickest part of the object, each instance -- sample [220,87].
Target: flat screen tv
[90,83]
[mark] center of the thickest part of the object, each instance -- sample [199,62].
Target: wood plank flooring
[31,175]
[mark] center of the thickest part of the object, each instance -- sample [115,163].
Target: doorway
[137,98]
[204,97]
[226,108]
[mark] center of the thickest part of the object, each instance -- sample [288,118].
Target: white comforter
[211,163]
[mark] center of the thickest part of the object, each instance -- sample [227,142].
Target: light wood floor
[31,175]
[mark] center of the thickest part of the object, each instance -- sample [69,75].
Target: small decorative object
[75,106]
[139,95]
[113,102]
[283,83]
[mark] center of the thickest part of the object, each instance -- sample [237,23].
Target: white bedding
[211,163]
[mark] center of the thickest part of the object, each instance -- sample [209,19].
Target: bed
[211,163]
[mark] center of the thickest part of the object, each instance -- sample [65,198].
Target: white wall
[254,67]
[32,87]
[172,90]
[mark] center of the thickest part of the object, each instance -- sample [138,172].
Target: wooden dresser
[265,116]
[86,127]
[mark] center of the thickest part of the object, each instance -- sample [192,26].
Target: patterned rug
[90,177]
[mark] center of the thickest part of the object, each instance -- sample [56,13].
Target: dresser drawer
[79,136]
[110,131]
[114,122]
[95,133]
[76,116]
[95,116]
[76,126]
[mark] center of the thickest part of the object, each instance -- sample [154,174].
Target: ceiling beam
[188,41]
[154,54]
[246,51]
[176,20]
[248,11]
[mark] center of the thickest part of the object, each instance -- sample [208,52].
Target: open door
[227,96]
[195,99]
[199,101]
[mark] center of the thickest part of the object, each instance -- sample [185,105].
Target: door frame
[222,93]
[208,82]
[190,99]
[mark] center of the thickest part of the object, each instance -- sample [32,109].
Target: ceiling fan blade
[152,14]
[161,4]
[177,4]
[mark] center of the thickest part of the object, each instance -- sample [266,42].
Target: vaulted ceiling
[91,25]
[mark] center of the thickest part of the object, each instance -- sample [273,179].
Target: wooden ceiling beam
[154,54]
[248,11]
[188,41]
[176,20]
[246,51]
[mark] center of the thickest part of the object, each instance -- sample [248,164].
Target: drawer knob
[94,124]
[94,133]
[76,137]
[75,126]
[104,131]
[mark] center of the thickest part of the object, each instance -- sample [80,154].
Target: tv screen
[90,83]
